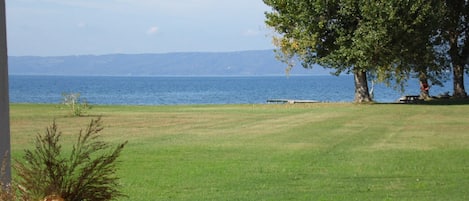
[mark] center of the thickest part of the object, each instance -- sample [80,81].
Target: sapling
[75,104]
[88,173]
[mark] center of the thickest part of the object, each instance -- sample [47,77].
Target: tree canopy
[388,39]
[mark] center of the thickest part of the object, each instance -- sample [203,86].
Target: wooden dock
[291,101]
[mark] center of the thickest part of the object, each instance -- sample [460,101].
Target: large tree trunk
[458,64]
[424,87]
[4,100]
[458,81]
[362,94]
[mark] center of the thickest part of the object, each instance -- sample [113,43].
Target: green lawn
[276,152]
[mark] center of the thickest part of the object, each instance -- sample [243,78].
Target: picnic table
[409,99]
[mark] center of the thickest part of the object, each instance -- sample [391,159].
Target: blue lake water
[196,90]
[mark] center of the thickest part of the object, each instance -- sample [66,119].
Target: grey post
[4,98]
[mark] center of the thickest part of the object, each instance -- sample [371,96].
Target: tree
[421,46]
[353,36]
[4,101]
[455,35]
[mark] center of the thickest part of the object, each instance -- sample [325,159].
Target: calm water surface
[195,90]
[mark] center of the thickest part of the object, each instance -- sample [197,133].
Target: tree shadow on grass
[437,101]
[446,101]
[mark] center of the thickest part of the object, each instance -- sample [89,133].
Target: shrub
[75,104]
[88,174]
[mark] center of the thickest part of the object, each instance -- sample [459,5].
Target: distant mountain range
[243,63]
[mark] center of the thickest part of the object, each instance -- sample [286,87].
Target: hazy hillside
[260,62]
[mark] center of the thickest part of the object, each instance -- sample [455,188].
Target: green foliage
[76,105]
[87,174]
[388,39]
[453,39]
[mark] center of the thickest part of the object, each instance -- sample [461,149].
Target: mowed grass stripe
[277,152]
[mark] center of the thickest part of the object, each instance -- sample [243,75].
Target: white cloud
[153,30]
[251,32]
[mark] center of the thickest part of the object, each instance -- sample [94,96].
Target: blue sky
[77,27]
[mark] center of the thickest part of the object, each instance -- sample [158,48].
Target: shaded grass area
[277,152]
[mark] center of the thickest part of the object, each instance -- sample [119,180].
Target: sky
[97,27]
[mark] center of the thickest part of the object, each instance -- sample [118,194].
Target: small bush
[88,174]
[75,104]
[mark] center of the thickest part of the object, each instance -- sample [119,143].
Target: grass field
[276,152]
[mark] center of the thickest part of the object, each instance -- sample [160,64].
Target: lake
[106,90]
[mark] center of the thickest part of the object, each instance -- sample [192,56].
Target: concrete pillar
[4,98]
